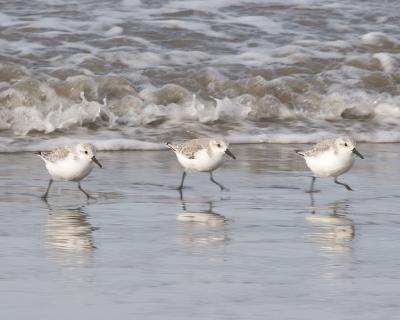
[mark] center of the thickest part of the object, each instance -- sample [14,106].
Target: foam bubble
[379,39]
[114,31]
[386,60]
[388,112]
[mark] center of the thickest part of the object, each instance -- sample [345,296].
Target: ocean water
[134,74]
[265,249]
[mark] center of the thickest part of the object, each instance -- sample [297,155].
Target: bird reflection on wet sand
[333,232]
[69,233]
[202,228]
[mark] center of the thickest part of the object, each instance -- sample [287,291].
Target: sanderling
[331,158]
[71,163]
[204,155]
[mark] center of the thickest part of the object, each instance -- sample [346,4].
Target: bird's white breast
[329,163]
[70,168]
[201,162]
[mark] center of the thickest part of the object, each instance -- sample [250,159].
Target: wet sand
[265,249]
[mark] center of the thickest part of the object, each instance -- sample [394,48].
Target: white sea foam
[379,39]
[387,62]
[101,145]
[9,145]
[116,30]
[172,105]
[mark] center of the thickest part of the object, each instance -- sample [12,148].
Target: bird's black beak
[355,151]
[96,162]
[229,153]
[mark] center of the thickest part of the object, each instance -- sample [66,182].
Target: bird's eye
[219,145]
[345,144]
[86,152]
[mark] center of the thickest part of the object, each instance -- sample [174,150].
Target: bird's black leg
[217,183]
[44,196]
[343,184]
[312,185]
[312,202]
[182,180]
[80,188]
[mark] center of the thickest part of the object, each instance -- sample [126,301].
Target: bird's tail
[299,152]
[39,153]
[171,146]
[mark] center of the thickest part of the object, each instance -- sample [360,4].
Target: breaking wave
[183,72]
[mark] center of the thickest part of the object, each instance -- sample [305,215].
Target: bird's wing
[321,146]
[190,148]
[54,155]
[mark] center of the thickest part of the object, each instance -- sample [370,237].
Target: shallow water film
[263,249]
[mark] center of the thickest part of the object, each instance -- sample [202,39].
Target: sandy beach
[263,249]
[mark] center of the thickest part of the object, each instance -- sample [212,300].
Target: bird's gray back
[56,154]
[320,147]
[189,148]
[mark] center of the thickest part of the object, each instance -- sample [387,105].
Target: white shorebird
[331,158]
[71,163]
[204,155]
